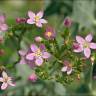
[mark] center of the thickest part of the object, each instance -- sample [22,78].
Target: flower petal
[40,14]
[22,61]
[31,14]
[30,56]
[87,52]
[22,52]
[69,71]
[11,84]
[39,24]
[2,18]
[1,79]
[93,45]
[79,49]
[43,21]
[34,48]
[80,40]
[39,61]
[64,69]
[4,74]
[46,55]
[42,47]
[4,86]
[4,27]
[30,21]
[89,37]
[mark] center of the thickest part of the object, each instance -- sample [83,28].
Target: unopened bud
[78,76]
[38,39]
[92,59]
[67,22]
[33,77]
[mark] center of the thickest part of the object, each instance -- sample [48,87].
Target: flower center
[49,34]
[38,53]
[5,80]
[36,18]
[86,45]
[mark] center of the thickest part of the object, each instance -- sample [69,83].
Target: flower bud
[20,20]
[67,22]
[78,76]
[33,77]
[92,59]
[1,52]
[75,45]
[38,39]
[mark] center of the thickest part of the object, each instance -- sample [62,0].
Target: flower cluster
[35,56]
[47,56]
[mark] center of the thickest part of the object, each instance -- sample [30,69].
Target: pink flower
[33,77]
[50,33]
[6,81]
[67,67]
[38,54]
[3,25]
[23,59]
[36,18]
[85,45]
[38,39]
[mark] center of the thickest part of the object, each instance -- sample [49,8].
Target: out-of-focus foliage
[83,14]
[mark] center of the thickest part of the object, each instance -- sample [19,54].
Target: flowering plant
[49,57]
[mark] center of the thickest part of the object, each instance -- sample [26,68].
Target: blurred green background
[83,14]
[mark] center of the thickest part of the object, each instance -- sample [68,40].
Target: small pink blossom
[6,81]
[38,39]
[33,77]
[67,67]
[38,54]
[36,18]
[85,45]
[50,33]
[3,25]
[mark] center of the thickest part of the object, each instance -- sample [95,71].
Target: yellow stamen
[38,53]
[36,18]
[49,34]
[86,45]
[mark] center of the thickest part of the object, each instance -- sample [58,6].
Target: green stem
[91,75]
